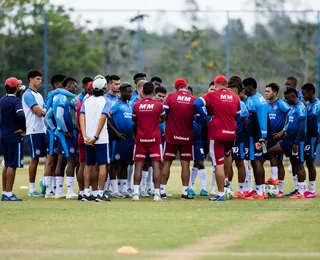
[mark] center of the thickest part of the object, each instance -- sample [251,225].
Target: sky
[161,21]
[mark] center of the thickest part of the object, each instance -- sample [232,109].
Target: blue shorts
[310,148]
[270,143]
[51,143]
[251,152]
[287,144]
[13,154]
[238,150]
[66,145]
[205,146]
[75,138]
[122,151]
[37,145]
[198,153]
[97,154]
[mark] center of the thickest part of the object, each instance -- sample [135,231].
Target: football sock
[48,181]
[8,194]
[157,192]
[143,182]
[280,186]
[263,188]
[54,185]
[95,193]
[100,192]
[213,178]
[301,187]
[220,193]
[136,189]
[241,187]
[230,184]
[123,185]
[150,179]
[87,192]
[193,176]
[129,177]
[114,185]
[312,186]
[107,184]
[259,189]
[295,179]
[82,192]
[162,189]
[274,172]
[32,187]
[70,183]
[203,178]
[185,190]
[59,181]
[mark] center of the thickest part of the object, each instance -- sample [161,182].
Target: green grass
[60,228]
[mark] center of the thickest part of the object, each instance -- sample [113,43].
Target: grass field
[173,229]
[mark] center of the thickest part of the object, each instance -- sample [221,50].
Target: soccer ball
[228,193]
[272,191]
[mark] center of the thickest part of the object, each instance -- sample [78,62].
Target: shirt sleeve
[315,110]
[18,106]
[114,108]
[162,110]
[106,109]
[83,108]
[239,108]
[134,110]
[244,111]
[301,111]
[61,102]
[284,107]
[250,106]
[166,103]
[29,99]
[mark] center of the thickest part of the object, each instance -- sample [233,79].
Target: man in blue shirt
[277,112]
[292,82]
[258,109]
[313,134]
[12,130]
[293,143]
[137,77]
[122,142]
[65,139]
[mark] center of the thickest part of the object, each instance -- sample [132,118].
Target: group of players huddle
[109,127]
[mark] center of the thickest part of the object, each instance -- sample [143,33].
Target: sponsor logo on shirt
[272,116]
[181,138]
[183,99]
[226,97]
[127,115]
[147,140]
[146,107]
[228,132]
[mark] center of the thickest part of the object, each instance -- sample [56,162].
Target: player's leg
[310,152]
[89,164]
[150,185]
[155,153]
[186,155]
[49,175]
[137,178]
[144,177]
[202,173]
[118,157]
[192,179]
[4,149]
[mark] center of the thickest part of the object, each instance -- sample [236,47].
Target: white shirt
[34,123]
[93,107]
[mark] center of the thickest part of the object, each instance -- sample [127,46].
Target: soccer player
[161,93]
[313,135]
[222,108]
[137,77]
[146,115]
[12,130]
[114,89]
[156,81]
[93,121]
[238,149]
[122,142]
[34,110]
[65,139]
[178,135]
[84,92]
[277,112]
[212,87]
[292,82]
[198,153]
[293,143]
[258,110]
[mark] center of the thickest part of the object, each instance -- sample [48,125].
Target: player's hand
[121,136]
[88,141]
[67,134]
[76,100]
[258,146]
[278,135]
[22,133]
[295,148]
[209,119]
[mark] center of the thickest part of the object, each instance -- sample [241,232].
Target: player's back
[241,130]
[179,125]
[313,110]
[61,100]
[298,111]
[261,107]
[223,105]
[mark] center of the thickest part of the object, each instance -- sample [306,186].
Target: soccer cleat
[86,197]
[2,197]
[280,195]
[118,195]
[186,197]
[272,182]
[107,193]
[191,192]
[102,198]
[217,198]
[135,197]
[310,195]
[60,196]
[226,184]
[291,193]
[50,195]
[71,196]
[255,196]
[163,196]
[157,197]
[238,195]
[204,193]
[42,188]
[250,193]
[35,194]
[79,197]
[297,196]
[150,192]
[13,197]
[126,194]
[144,194]
[265,195]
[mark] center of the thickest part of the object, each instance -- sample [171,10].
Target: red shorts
[140,152]
[219,149]
[185,151]
[81,149]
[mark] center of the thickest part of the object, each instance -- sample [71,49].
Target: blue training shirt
[277,111]
[134,95]
[296,113]
[62,101]
[241,130]
[313,120]
[113,99]
[122,118]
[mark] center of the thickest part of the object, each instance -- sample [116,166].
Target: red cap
[90,85]
[13,82]
[221,80]
[180,83]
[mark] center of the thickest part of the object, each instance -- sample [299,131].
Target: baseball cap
[90,85]
[13,82]
[180,83]
[221,80]
[99,83]
[99,77]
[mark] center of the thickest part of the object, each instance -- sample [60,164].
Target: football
[272,191]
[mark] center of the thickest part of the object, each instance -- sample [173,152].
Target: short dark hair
[34,73]
[211,84]
[106,77]
[139,75]
[125,85]
[67,80]
[235,79]
[291,90]
[86,80]
[98,92]
[250,82]
[235,85]
[309,87]
[293,79]
[274,87]
[161,89]
[57,78]
[191,89]
[156,79]
[148,88]
[10,90]
[112,78]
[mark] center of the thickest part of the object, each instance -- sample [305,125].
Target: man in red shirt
[178,135]
[146,115]
[222,107]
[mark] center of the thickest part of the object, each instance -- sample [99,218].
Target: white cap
[99,83]
[98,77]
